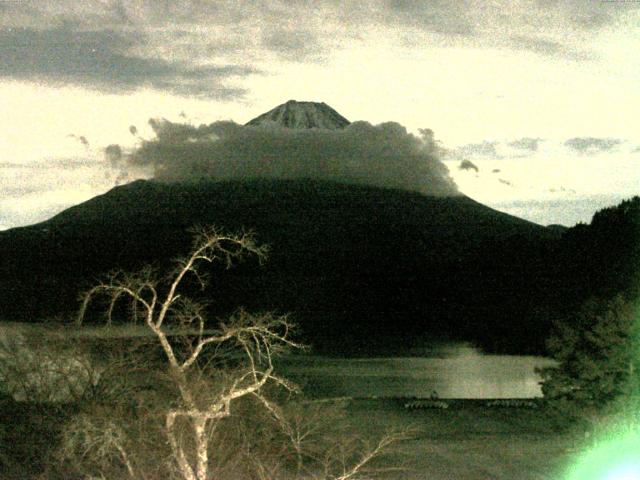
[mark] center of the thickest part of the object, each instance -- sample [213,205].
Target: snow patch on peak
[302,115]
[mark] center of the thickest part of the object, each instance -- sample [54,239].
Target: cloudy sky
[533,102]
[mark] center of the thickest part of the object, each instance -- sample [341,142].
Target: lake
[453,371]
[447,371]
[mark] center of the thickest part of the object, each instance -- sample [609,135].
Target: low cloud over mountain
[384,155]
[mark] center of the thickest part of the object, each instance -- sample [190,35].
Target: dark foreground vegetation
[30,433]
[467,441]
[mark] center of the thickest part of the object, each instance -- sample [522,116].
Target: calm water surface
[455,371]
[448,371]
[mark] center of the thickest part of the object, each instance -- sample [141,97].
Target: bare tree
[171,317]
[214,371]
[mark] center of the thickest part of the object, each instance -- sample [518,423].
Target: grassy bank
[467,441]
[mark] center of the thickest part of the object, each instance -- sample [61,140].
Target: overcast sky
[534,103]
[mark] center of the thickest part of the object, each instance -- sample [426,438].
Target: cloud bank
[590,145]
[526,143]
[484,149]
[197,48]
[109,61]
[529,147]
[384,155]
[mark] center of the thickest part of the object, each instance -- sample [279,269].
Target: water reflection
[452,371]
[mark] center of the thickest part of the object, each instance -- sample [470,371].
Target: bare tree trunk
[202,442]
[178,453]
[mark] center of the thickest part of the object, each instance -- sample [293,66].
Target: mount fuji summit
[301,115]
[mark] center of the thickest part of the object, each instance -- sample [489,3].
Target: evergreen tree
[598,360]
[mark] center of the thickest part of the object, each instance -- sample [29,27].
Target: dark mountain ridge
[357,266]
